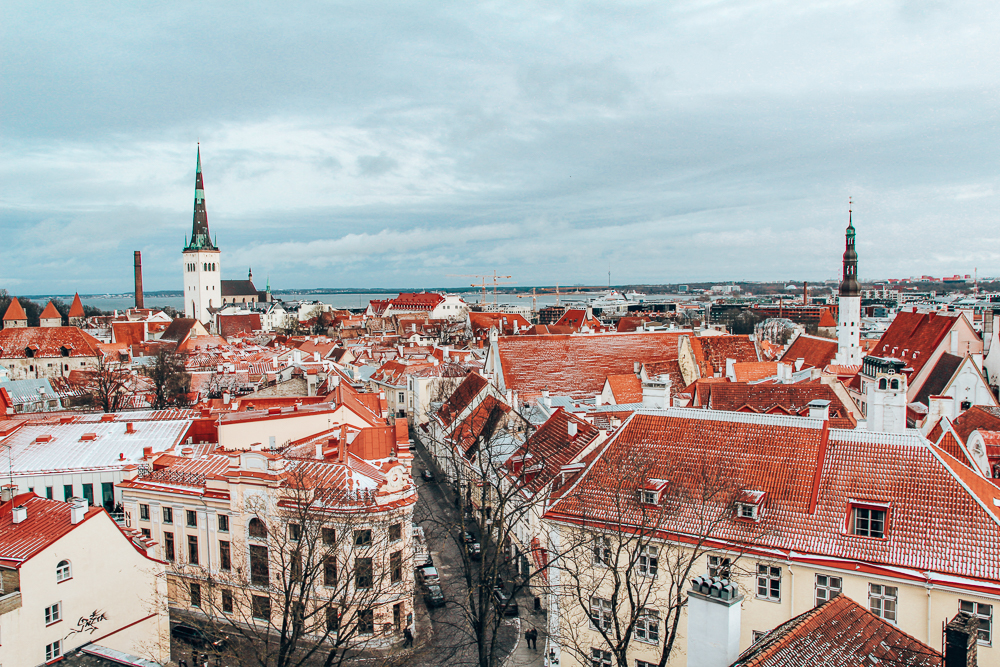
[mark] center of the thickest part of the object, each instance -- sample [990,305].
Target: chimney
[799,363]
[138,279]
[20,514]
[731,369]
[656,392]
[637,367]
[819,409]
[129,427]
[960,641]
[805,293]
[7,492]
[319,450]
[713,622]
[147,453]
[226,397]
[545,398]
[78,509]
[571,428]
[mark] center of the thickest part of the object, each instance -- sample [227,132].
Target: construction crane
[486,281]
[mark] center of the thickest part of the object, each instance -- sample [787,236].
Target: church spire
[849,285]
[200,238]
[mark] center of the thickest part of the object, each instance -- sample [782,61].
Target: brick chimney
[960,641]
[138,279]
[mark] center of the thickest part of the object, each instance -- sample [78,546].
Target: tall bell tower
[202,269]
[849,304]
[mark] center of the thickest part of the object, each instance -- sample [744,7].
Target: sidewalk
[523,656]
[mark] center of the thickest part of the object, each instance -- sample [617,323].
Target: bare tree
[170,382]
[108,384]
[626,573]
[320,578]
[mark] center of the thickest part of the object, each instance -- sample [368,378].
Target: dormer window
[868,520]
[652,492]
[649,497]
[29,353]
[748,504]
[746,511]
[64,351]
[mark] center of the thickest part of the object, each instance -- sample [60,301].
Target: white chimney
[571,429]
[78,509]
[656,392]
[20,514]
[713,622]
[545,399]
[819,409]
[731,369]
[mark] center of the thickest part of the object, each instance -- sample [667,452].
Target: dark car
[427,574]
[433,596]
[468,538]
[197,637]
[427,475]
[501,598]
[475,551]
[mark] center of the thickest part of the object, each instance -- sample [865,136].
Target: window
[225,559]
[362,572]
[647,626]
[259,572]
[168,515]
[257,529]
[985,614]
[602,551]
[649,561]
[746,511]
[332,619]
[827,588]
[144,512]
[402,397]
[757,636]
[396,566]
[868,522]
[768,582]
[362,538]
[223,523]
[882,601]
[397,617]
[366,622]
[192,519]
[193,549]
[643,663]
[600,658]
[196,595]
[63,571]
[395,532]
[329,537]
[48,492]
[719,566]
[67,492]
[261,607]
[53,613]
[168,547]
[145,532]
[294,532]
[600,613]
[330,571]
[227,601]
[53,650]
[88,493]
[649,497]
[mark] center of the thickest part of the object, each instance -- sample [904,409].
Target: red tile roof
[826,319]
[816,351]
[942,516]
[578,365]
[838,633]
[628,324]
[76,308]
[231,326]
[461,398]
[978,417]
[548,449]
[47,342]
[751,371]
[790,399]
[15,311]
[504,322]
[48,520]
[417,301]
[484,417]
[626,388]
[576,319]
[913,337]
[711,352]
[50,312]
[130,333]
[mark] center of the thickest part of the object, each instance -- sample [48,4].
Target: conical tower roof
[15,312]
[50,313]
[76,308]
[200,237]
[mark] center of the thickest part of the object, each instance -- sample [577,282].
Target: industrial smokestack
[138,279]
[805,294]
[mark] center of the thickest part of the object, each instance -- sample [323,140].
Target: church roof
[200,237]
[238,288]
[15,312]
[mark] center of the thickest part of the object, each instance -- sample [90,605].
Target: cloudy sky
[392,144]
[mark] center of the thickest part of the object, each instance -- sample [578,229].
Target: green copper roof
[200,237]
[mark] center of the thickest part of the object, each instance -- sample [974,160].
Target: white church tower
[202,270]
[849,306]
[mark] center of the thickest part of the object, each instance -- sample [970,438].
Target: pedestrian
[527,638]
[534,638]
[409,638]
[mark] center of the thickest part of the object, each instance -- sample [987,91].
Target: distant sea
[339,300]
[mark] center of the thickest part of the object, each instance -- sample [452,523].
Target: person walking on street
[527,638]
[533,639]
[409,638]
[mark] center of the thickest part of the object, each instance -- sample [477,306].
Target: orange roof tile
[626,388]
[15,311]
[913,337]
[816,351]
[48,520]
[76,308]
[750,371]
[50,312]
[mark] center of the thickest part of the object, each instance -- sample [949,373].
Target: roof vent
[44,438]
[87,437]
[107,418]
[20,514]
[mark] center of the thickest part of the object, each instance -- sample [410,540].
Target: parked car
[428,574]
[501,598]
[198,637]
[468,537]
[426,475]
[475,551]
[433,596]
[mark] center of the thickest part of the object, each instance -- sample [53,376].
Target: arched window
[882,384]
[258,530]
[63,571]
[894,384]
